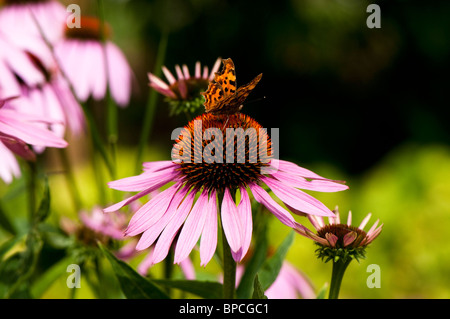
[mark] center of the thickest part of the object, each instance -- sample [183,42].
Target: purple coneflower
[340,243]
[16,64]
[91,65]
[183,91]
[176,210]
[339,240]
[29,23]
[17,130]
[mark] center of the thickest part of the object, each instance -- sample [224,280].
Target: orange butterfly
[221,97]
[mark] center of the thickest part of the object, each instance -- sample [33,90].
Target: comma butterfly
[221,97]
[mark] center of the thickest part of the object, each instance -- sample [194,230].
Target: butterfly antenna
[255,100]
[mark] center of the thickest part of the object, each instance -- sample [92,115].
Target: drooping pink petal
[296,198]
[11,124]
[262,197]
[231,222]
[119,75]
[167,236]
[187,267]
[192,228]
[153,231]
[245,214]
[18,147]
[152,211]
[9,167]
[208,241]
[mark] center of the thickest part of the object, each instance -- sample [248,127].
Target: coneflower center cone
[223,151]
[91,29]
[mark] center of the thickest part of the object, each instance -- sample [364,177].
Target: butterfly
[221,97]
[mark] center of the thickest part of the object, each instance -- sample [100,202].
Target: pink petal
[9,167]
[296,198]
[365,221]
[144,181]
[11,124]
[179,72]
[349,238]
[192,228]
[231,222]
[262,197]
[215,68]
[168,75]
[245,214]
[208,241]
[198,71]
[151,211]
[332,239]
[119,75]
[319,185]
[186,72]
[165,240]
[188,269]
[154,230]
[158,166]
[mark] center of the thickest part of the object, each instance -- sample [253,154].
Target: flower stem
[229,270]
[70,179]
[151,102]
[337,274]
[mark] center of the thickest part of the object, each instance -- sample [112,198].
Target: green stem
[70,179]
[112,110]
[337,274]
[32,190]
[229,270]
[151,102]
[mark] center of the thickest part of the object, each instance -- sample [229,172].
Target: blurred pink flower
[92,66]
[17,130]
[290,284]
[27,23]
[182,86]
[16,64]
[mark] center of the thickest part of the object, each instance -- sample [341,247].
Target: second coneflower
[183,91]
[222,159]
[93,63]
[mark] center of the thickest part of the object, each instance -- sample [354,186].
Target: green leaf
[133,285]
[16,271]
[204,289]
[5,223]
[322,292]
[258,292]
[270,269]
[44,281]
[245,287]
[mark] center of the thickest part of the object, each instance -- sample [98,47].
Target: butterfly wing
[213,95]
[221,97]
[226,78]
[243,92]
